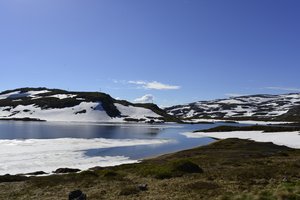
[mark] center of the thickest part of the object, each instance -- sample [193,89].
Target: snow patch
[289,139]
[63,96]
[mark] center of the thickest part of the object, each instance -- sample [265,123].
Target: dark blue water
[50,130]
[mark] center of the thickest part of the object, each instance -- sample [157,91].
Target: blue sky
[175,51]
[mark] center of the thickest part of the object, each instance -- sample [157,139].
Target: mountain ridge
[61,105]
[247,107]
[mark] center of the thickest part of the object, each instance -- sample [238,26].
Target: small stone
[77,195]
[143,187]
[285,179]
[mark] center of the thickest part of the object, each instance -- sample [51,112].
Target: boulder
[66,170]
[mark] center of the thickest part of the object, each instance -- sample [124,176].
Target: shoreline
[225,169]
[288,139]
[192,121]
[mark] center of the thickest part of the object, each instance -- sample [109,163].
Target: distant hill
[60,105]
[285,107]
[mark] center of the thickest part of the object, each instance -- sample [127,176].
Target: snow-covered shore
[26,156]
[289,139]
[236,121]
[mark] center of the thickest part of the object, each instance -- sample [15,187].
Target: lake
[33,146]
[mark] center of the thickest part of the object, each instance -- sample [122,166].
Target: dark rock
[36,173]
[66,170]
[151,121]
[143,187]
[77,195]
[80,112]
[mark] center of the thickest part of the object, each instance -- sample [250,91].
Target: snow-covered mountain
[254,107]
[60,105]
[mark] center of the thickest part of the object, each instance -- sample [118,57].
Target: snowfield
[63,96]
[25,156]
[289,139]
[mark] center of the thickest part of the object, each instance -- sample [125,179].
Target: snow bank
[250,122]
[289,139]
[25,156]
[262,122]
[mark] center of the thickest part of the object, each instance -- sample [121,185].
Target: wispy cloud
[234,94]
[283,88]
[154,85]
[148,98]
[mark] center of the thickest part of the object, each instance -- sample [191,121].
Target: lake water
[32,146]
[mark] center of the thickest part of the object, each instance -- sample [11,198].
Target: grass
[227,169]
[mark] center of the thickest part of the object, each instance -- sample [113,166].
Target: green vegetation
[10,178]
[168,170]
[252,128]
[129,190]
[230,169]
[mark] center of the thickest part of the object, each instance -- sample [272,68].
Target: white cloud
[155,85]
[148,98]
[283,88]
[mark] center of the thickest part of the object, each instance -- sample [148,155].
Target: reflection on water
[50,130]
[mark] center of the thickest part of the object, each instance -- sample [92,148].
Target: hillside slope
[60,105]
[254,107]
